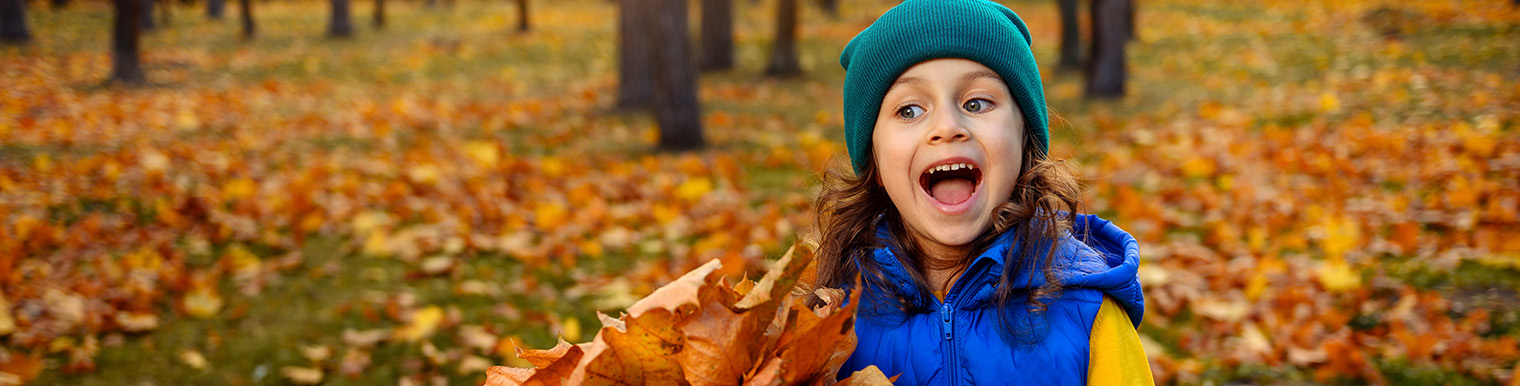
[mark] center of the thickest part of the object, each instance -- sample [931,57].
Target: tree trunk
[830,7]
[341,26]
[248,27]
[1071,37]
[635,51]
[522,15]
[163,12]
[59,4]
[1129,20]
[126,66]
[1106,71]
[379,14]
[146,14]
[717,35]
[13,21]
[784,48]
[675,80]
[215,9]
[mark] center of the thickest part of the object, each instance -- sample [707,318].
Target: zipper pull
[945,312]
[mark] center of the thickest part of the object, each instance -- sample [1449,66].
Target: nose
[947,128]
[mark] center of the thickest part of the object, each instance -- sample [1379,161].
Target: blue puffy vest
[962,342]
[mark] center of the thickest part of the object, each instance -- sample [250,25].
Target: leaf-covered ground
[1325,192]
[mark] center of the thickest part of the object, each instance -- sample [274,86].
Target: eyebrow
[913,80]
[968,78]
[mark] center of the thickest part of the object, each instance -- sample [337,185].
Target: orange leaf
[552,372]
[543,358]
[869,376]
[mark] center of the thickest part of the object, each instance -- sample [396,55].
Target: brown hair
[1040,210]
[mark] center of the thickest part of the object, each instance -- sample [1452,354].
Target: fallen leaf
[193,358]
[301,375]
[424,323]
[203,302]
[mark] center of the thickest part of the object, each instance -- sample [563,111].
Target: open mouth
[951,182]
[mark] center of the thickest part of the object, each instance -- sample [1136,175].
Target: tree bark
[1129,20]
[1106,71]
[13,21]
[379,14]
[146,14]
[784,49]
[635,50]
[522,16]
[248,28]
[163,12]
[1071,37]
[215,9]
[717,35]
[341,26]
[126,66]
[59,4]
[675,100]
[830,7]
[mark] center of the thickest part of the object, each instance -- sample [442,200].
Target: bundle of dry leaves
[698,330]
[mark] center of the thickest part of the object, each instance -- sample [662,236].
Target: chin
[957,235]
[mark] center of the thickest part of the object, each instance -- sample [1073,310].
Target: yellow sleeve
[1115,354]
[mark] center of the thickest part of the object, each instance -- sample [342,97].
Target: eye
[977,105]
[910,112]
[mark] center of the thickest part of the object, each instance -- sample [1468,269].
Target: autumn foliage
[699,331]
[1322,192]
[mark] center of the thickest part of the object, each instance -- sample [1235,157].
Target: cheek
[1008,150]
[890,155]
[890,170]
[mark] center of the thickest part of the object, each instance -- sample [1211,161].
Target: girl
[976,267]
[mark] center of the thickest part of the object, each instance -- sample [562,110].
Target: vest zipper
[949,325]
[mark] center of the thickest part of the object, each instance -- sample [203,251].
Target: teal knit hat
[920,30]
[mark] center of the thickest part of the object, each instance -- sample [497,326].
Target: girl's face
[948,144]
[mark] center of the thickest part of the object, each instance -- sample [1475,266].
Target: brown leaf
[720,342]
[778,281]
[813,343]
[869,376]
[639,354]
[507,376]
[543,358]
[680,296]
[552,373]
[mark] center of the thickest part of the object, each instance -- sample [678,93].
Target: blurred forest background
[404,191]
